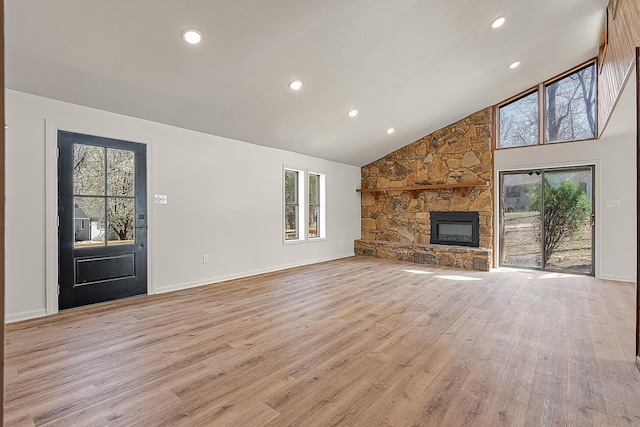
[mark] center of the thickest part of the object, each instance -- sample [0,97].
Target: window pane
[88,170]
[314,226]
[120,180]
[290,187]
[520,220]
[120,213]
[567,220]
[291,222]
[88,216]
[314,205]
[518,122]
[313,189]
[291,218]
[570,106]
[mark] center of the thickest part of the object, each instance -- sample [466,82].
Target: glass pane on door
[520,220]
[89,222]
[88,170]
[120,216]
[120,173]
[567,220]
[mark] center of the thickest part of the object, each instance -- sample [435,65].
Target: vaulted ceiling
[415,66]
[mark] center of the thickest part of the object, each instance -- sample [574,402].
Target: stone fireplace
[398,224]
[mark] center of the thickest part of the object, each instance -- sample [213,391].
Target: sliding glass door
[546,219]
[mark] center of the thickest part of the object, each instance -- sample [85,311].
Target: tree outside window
[519,122]
[315,229]
[291,204]
[570,106]
[569,112]
[104,191]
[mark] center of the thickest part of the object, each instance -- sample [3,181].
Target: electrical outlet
[205,259]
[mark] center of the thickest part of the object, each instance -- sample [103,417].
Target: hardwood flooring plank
[351,342]
[257,415]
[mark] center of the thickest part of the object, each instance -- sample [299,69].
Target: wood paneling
[358,341]
[617,58]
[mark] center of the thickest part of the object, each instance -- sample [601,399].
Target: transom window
[519,122]
[569,112]
[570,106]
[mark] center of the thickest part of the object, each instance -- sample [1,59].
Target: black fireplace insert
[455,228]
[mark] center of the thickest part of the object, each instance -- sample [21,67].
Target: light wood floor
[360,341]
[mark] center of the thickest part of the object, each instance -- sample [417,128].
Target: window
[304,200]
[519,122]
[570,106]
[104,193]
[569,112]
[292,195]
[316,206]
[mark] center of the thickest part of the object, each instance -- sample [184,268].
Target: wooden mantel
[415,188]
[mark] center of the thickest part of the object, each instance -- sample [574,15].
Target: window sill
[293,242]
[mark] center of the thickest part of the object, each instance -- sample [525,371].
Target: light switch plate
[161,199]
[612,203]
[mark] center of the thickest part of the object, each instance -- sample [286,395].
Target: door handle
[140,227]
[592,219]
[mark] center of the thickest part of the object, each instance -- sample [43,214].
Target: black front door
[102,210]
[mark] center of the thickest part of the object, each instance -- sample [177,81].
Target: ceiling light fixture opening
[498,22]
[391,130]
[295,85]
[353,112]
[515,64]
[192,36]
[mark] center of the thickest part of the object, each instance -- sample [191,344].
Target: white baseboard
[617,278]
[25,315]
[241,275]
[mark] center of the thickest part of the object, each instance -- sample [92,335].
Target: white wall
[614,155]
[224,200]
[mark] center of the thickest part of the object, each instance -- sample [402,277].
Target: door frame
[51,204]
[541,172]
[596,204]
[638,206]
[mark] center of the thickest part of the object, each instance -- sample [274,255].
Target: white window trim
[540,89]
[303,206]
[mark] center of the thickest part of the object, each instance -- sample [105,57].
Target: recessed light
[295,85]
[353,112]
[514,65]
[498,22]
[390,131]
[192,36]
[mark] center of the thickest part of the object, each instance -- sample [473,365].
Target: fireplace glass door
[547,220]
[455,228]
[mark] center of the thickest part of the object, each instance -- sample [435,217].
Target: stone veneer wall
[461,152]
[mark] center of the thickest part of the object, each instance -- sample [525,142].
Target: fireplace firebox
[455,228]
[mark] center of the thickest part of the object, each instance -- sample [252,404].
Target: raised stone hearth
[462,257]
